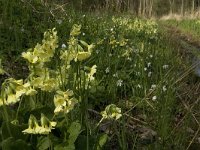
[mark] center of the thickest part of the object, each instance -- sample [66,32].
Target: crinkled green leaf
[74,131]
[12,144]
[102,140]
[43,143]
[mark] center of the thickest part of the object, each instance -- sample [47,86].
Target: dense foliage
[91,81]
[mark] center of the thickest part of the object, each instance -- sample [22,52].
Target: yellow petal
[53,124]
[1,102]
[20,91]
[83,55]
[58,109]
[44,131]
[31,92]
[29,131]
[12,99]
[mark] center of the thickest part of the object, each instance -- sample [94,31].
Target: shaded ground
[189,83]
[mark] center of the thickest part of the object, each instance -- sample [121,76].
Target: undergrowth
[94,82]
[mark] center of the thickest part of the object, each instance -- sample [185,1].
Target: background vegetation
[112,55]
[146,8]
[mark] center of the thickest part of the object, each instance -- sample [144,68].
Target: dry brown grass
[179,17]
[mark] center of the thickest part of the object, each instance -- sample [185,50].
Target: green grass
[138,70]
[189,26]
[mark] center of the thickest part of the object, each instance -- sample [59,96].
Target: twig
[193,138]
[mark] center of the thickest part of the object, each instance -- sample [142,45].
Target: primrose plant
[69,69]
[58,78]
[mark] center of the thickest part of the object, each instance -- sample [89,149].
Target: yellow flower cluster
[64,101]
[37,57]
[13,89]
[111,112]
[35,128]
[43,78]
[43,52]
[88,77]
[117,42]
[147,27]
[45,82]
[144,27]
[75,50]
[92,72]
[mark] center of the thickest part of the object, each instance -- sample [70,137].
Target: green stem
[5,110]
[7,120]
[50,143]
[87,139]
[18,108]
[119,138]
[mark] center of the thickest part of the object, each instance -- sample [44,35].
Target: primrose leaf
[10,144]
[102,140]
[43,143]
[74,131]
[84,43]
[83,55]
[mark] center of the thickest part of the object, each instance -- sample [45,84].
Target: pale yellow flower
[63,101]
[12,99]
[34,128]
[92,72]
[75,30]
[30,57]
[46,125]
[111,112]
[32,125]
[82,56]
